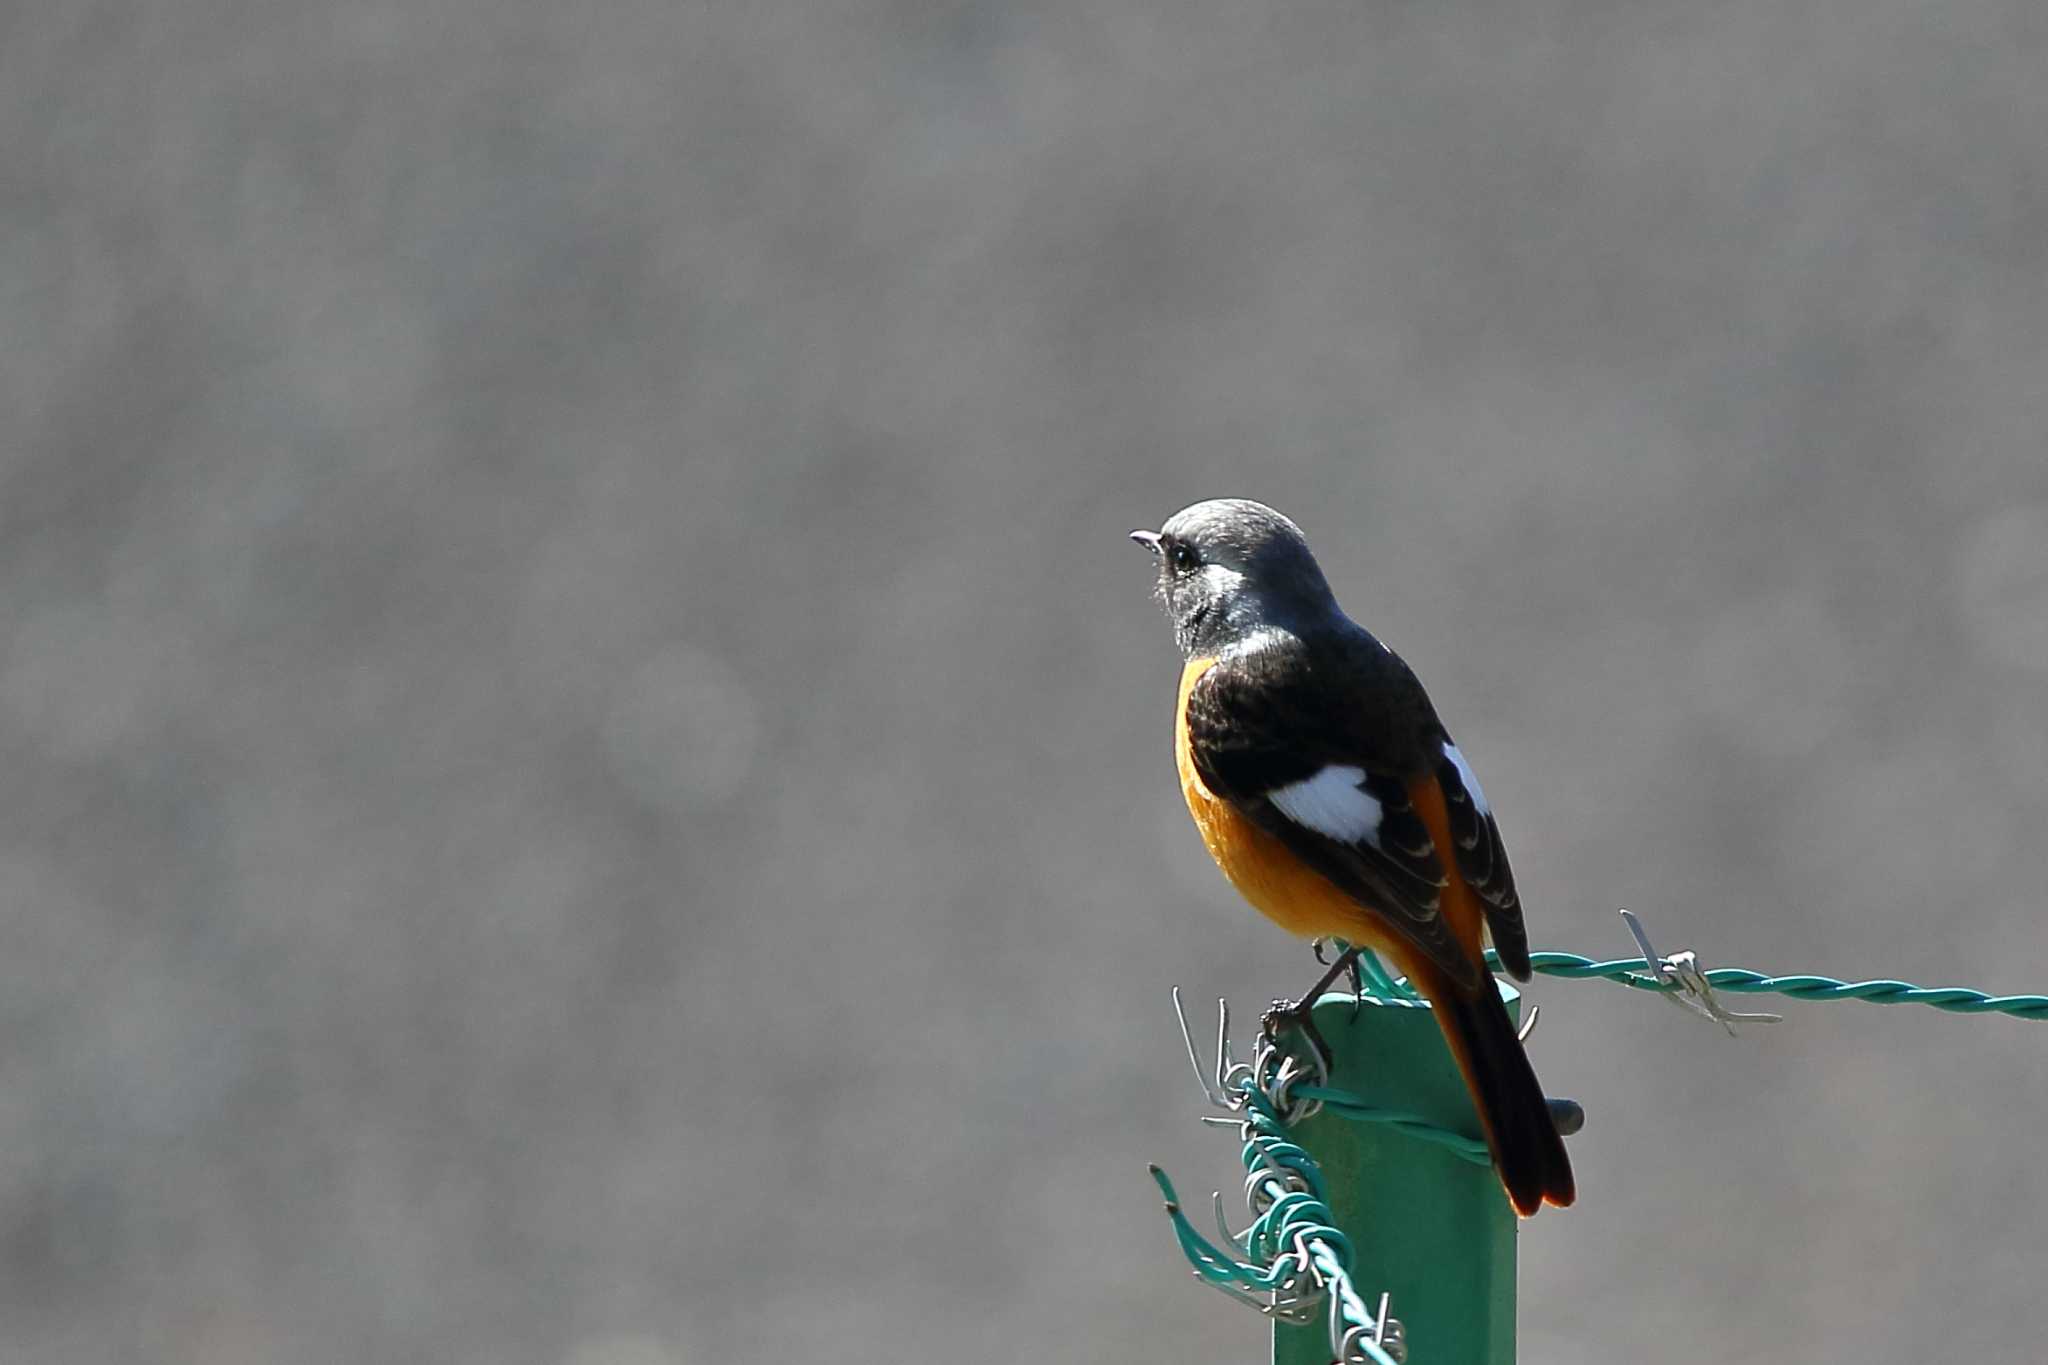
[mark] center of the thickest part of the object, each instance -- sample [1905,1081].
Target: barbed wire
[1295,1256]
[1679,977]
[1293,1262]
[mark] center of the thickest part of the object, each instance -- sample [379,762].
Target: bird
[1332,797]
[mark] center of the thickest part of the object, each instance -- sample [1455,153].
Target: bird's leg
[1319,945]
[1300,1013]
[1347,962]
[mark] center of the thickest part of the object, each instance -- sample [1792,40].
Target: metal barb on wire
[1686,986]
[1217,1094]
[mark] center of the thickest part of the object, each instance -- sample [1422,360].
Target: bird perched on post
[1332,797]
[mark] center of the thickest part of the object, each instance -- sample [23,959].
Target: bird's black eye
[1184,557]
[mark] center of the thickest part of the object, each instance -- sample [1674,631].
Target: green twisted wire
[1347,1105]
[1300,1218]
[1635,973]
[1293,1218]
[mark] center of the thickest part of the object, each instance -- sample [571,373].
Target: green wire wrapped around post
[1376,1179]
[1427,1224]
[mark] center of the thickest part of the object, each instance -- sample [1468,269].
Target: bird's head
[1229,568]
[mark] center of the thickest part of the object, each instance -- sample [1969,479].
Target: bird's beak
[1148,539]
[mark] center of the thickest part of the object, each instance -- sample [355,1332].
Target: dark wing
[1483,861]
[1316,746]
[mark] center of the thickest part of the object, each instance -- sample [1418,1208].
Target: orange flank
[1279,885]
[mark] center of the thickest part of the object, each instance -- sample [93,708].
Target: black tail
[1527,1150]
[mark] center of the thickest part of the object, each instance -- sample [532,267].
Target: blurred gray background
[586,761]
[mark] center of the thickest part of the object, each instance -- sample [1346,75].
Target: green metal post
[1427,1227]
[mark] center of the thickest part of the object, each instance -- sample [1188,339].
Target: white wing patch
[1465,772]
[1333,804]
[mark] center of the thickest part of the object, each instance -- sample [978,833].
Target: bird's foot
[1297,1016]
